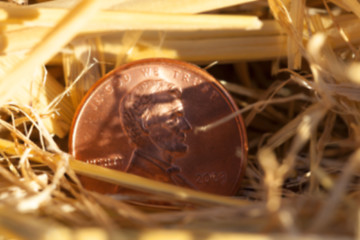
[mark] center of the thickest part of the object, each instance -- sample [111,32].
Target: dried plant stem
[307,126]
[108,21]
[276,173]
[238,89]
[66,28]
[297,16]
[185,6]
[156,6]
[38,91]
[318,151]
[247,108]
[290,129]
[129,180]
[165,234]
[151,186]
[81,68]
[324,216]
[128,42]
[32,228]
[349,5]
[20,226]
[227,49]
[272,180]
[267,40]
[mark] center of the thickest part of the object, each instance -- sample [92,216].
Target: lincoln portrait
[153,118]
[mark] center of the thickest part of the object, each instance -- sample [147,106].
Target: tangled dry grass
[292,67]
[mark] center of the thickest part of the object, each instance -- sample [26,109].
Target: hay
[292,67]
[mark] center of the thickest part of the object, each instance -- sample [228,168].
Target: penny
[140,118]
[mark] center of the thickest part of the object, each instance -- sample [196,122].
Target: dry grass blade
[150,186]
[247,108]
[108,21]
[81,68]
[349,5]
[290,129]
[66,29]
[235,88]
[324,215]
[186,6]
[318,151]
[227,46]
[276,173]
[132,181]
[16,42]
[294,60]
[248,48]
[38,90]
[18,226]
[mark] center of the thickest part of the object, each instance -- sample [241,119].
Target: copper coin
[140,118]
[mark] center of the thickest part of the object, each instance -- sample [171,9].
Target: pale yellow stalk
[151,186]
[337,193]
[126,179]
[255,106]
[24,39]
[317,152]
[81,68]
[128,42]
[21,41]
[184,6]
[341,3]
[62,32]
[57,117]
[349,5]
[289,130]
[19,226]
[108,21]
[38,91]
[224,50]
[297,11]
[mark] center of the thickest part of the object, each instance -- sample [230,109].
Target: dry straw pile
[292,66]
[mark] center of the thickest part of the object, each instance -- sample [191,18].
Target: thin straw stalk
[33,228]
[225,50]
[62,32]
[297,16]
[184,6]
[108,21]
[81,68]
[349,5]
[337,193]
[20,226]
[15,41]
[38,91]
[128,180]
[157,6]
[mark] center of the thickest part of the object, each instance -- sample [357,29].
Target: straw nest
[292,66]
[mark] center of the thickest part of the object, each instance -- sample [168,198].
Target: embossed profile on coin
[141,119]
[152,116]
